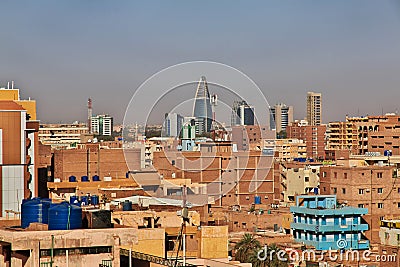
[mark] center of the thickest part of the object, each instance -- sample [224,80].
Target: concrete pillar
[35,254]
[17,262]
[116,251]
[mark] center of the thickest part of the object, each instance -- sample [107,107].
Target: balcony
[329,228]
[332,245]
[106,263]
[28,143]
[28,159]
[326,212]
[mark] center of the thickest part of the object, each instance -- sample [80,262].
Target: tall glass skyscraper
[281,117]
[242,114]
[202,110]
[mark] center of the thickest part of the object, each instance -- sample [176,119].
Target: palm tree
[259,259]
[245,247]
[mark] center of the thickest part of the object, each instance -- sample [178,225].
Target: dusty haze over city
[62,52]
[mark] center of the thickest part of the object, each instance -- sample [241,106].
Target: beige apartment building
[286,149]
[389,248]
[361,135]
[342,136]
[298,179]
[62,135]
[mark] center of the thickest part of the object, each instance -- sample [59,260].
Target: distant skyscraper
[173,124]
[89,122]
[202,110]
[314,108]
[281,117]
[102,125]
[242,114]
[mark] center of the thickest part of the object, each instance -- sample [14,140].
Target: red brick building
[92,159]
[236,177]
[313,136]
[248,137]
[373,187]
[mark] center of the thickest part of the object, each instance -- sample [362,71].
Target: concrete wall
[102,162]
[162,218]
[213,242]
[150,241]
[78,260]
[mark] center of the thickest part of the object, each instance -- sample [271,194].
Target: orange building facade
[18,139]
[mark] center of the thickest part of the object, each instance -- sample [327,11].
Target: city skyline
[194,135]
[62,53]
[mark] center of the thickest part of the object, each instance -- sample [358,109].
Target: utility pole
[185,215]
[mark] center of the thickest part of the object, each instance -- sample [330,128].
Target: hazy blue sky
[62,52]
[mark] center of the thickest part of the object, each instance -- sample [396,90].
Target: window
[335,174]
[398,205]
[345,175]
[398,237]
[382,218]
[379,174]
[306,179]
[324,174]
[380,190]
[361,191]
[380,205]
[334,190]
[344,190]
[361,205]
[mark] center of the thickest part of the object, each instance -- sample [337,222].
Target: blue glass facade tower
[202,110]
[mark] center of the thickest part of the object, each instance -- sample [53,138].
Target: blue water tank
[74,200]
[85,178]
[95,178]
[387,153]
[257,200]
[94,200]
[64,216]
[127,205]
[72,178]
[85,200]
[316,190]
[34,210]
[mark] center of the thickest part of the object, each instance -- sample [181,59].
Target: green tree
[259,259]
[282,135]
[246,247]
